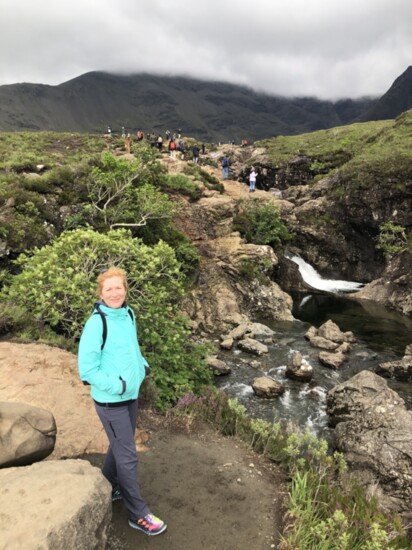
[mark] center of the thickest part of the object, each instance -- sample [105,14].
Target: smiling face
[113,292]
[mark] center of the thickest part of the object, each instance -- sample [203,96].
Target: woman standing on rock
[110,361]
[252,180]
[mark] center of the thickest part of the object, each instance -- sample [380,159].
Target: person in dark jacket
[195,152]
[111,362]
[225,168]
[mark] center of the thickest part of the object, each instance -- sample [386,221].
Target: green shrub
[181,184]
[56,286]
[209,180]
[392,239]
[256,269]
[260,223]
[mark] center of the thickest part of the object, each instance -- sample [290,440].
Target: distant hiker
[203,149]
[225,168]
[167,134]
[160,143]
[196,152]
[252,180]
[172,149]
[179,133]
[109,129]
[181,146]
[114,368]
[123,132]
[244,143]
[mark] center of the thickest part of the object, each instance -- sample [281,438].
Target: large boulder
[373,429]
[54,504]
[27,434]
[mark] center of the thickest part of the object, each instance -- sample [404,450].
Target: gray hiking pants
[121,462]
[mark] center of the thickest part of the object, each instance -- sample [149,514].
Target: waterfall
[314,280]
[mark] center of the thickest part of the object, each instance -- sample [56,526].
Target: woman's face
[113,292]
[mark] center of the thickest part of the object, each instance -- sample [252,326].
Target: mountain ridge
[212,111]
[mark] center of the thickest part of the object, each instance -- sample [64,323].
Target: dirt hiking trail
[213,492]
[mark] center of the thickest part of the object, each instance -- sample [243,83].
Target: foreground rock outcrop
[27,434]
[64,504]
[393,289]
[373,429]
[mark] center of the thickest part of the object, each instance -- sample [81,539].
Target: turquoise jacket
[116,372]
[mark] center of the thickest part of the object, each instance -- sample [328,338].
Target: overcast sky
[324,48]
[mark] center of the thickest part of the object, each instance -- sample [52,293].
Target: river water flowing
[381,335]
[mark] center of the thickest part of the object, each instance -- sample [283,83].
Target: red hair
[108,274]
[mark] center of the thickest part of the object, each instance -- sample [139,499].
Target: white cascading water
[314,280]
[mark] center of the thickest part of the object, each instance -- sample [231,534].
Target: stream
[381,335]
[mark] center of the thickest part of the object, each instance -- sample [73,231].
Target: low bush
[260,223]
[179,183]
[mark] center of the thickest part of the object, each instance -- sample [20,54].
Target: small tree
[116,193]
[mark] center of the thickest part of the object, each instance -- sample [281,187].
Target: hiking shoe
[116,495]
[150,524]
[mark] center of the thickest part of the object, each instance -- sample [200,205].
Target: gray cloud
[326,48]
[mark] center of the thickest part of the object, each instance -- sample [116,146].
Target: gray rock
[332,360]
[238,332]
[261,331]
[227,343]
[331,331]
[401,370]
[312,331]
[266,387]
[27,434]
[55,504]
[373,429]
[218,366]
[253,346]
[299,369]
[323,343]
